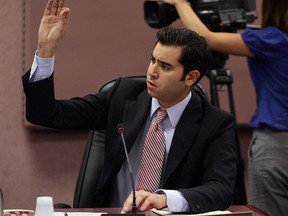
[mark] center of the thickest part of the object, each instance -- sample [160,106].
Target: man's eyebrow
[162,62]
[165,63]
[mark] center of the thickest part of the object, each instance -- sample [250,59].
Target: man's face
[164,76]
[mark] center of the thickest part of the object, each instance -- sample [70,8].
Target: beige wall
[106,39]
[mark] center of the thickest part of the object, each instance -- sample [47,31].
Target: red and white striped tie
[152,155]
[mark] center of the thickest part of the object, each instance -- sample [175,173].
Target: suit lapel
[184,134]
[135,116]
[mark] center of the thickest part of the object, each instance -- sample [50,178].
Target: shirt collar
[174,112]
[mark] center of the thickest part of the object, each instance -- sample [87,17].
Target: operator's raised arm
[223,42]
[52,27]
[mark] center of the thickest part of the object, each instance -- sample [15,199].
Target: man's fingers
[54,7]
[145,201]
[152,201]
[144,205]
[62,3]
[64,14]
[127,204]
[141,197]
[48,8]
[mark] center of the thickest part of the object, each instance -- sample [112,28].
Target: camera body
[217,15]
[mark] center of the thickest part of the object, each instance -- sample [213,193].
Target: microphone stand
[134,207]
[120,130]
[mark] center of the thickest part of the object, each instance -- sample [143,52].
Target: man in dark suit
[199,167]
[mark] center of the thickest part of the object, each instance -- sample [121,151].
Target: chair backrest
[92,161]
[93,157]
[1,203]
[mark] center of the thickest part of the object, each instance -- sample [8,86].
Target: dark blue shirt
[269,73]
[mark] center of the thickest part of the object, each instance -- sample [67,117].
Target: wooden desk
[236,208]
[256,211]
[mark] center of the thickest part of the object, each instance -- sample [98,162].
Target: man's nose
[153,70]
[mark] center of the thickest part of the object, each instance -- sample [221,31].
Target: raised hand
[52,28]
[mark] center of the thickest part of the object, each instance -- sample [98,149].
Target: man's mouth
[151,84]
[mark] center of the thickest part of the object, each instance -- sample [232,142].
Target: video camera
[217,15]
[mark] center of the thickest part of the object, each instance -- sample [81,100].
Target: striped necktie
[152,155]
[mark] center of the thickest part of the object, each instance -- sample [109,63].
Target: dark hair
[275,13]
[195,54]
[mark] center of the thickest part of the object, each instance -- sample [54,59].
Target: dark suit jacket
[202,159]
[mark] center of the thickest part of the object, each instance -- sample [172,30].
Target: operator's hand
[52,27]
[145,201]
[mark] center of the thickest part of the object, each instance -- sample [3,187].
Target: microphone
[120,129]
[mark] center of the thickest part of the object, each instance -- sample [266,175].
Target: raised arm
[52,27]
[229,43]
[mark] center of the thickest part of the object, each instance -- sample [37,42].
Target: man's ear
[192,77]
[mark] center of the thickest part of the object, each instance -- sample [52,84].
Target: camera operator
[267,53]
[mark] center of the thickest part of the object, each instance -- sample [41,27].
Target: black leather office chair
[92,161]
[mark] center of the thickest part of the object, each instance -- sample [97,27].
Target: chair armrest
[61,205]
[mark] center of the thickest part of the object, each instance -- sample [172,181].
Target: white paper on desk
[211,213]
[79,213]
